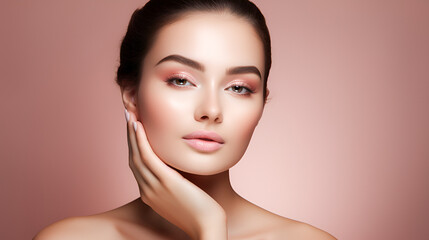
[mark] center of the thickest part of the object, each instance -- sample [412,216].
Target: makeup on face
[200,96]
[178,71]
[204,141]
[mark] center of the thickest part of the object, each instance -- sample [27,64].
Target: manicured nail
[127,115]
[135,126]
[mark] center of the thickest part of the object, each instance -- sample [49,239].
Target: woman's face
[202,76]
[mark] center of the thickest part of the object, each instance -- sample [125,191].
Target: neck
[218,186]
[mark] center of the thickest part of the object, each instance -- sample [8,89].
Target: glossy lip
[204,141]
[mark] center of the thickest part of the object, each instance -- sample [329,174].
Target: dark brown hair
[148,20]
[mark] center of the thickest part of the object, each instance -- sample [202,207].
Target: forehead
[217,40]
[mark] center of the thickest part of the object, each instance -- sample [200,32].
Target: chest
[126,231]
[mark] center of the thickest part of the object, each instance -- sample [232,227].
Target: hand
[167,192]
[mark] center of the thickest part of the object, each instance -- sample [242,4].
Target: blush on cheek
[155,125]
[247,128]
[153,106]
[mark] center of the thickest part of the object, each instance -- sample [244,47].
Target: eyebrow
[183,60]
[244,69]
[200,67]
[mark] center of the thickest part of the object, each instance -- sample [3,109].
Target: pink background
[343,143]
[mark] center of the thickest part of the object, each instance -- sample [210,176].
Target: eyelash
[173,82]
[248,90]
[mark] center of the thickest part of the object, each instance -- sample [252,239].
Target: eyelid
[241,83]
[182,76]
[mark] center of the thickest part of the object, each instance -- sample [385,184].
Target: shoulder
[268,225]
[88,227]
[302,231]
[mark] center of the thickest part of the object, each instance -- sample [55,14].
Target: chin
[200,169]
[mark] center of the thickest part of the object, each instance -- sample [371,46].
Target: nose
[209,109]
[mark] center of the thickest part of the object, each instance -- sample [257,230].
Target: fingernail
[127,115]
[135,126]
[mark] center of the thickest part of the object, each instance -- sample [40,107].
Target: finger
[136,159]
[140,180]
[145,188]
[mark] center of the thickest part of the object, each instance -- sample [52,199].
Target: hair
[155,14]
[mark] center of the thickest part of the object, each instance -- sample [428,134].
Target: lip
[204,141]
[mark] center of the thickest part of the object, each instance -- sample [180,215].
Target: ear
[267,93]
[129,99]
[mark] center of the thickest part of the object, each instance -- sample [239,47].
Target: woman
[193,77]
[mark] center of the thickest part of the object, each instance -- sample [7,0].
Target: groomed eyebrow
[183,60]
[200,67]
[244,69]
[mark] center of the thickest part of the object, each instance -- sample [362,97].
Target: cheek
[244,120]
[242,124]
[163,116]
[155,113]
[157,109]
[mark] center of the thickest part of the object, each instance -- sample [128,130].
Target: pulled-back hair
[148,20]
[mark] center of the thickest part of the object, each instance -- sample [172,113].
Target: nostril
[215,117]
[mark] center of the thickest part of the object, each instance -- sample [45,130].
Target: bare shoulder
[125,222]
[265,224]
[302,231]
[87,227]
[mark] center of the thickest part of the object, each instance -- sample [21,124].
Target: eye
[242,90]
[179,81]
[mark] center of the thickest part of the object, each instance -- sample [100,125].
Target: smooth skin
[186,194]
